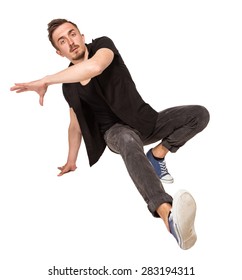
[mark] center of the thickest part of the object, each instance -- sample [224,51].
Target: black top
[117,100]
[103,114]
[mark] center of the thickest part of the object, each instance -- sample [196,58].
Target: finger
[21,90]
[18,85]
[60,174]
[41,100]
[15,88]
[18,89]
[61,168]
[64,171]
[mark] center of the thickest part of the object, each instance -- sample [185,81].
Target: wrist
[71,162]
[47,80]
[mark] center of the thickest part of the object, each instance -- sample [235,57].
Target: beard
[79,56]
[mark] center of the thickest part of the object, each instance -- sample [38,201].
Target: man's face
[70,42]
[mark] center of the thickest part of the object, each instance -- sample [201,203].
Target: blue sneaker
[160,168]
[181,219]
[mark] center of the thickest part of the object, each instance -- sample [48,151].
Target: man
[107,110]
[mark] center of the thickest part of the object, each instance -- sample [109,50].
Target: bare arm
[77,73]
[74,139]
[83,71]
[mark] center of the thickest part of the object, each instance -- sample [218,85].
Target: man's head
[66,38]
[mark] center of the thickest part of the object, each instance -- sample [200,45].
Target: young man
[107,110]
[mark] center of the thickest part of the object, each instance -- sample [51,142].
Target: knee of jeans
[128,139]
[204,116]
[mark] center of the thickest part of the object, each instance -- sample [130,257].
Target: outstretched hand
[39,86]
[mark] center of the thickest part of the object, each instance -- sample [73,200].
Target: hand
[38,86]
[67,168]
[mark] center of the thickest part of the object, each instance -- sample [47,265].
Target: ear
[59,53]
[83,38]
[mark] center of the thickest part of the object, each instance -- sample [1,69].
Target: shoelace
[163,167]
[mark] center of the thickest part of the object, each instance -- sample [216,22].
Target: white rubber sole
[167,179]
[184,213]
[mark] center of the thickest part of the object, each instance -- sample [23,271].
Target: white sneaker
[181,219]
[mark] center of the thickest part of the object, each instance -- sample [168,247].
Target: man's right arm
[79,72]
[74,140]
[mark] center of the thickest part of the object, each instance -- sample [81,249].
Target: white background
[178,52]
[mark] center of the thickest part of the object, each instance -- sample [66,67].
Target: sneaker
[181,219]
[160,168]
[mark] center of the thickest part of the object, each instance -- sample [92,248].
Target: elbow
[75,128]
[97,69]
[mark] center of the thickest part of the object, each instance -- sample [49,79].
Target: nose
[70,41]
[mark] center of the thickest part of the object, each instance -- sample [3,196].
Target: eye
[62,41]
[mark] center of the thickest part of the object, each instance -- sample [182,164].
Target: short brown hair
[53,25]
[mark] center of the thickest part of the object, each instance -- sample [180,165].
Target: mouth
[74,48]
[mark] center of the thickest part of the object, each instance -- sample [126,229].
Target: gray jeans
[174,127]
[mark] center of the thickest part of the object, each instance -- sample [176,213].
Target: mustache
[73,47]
